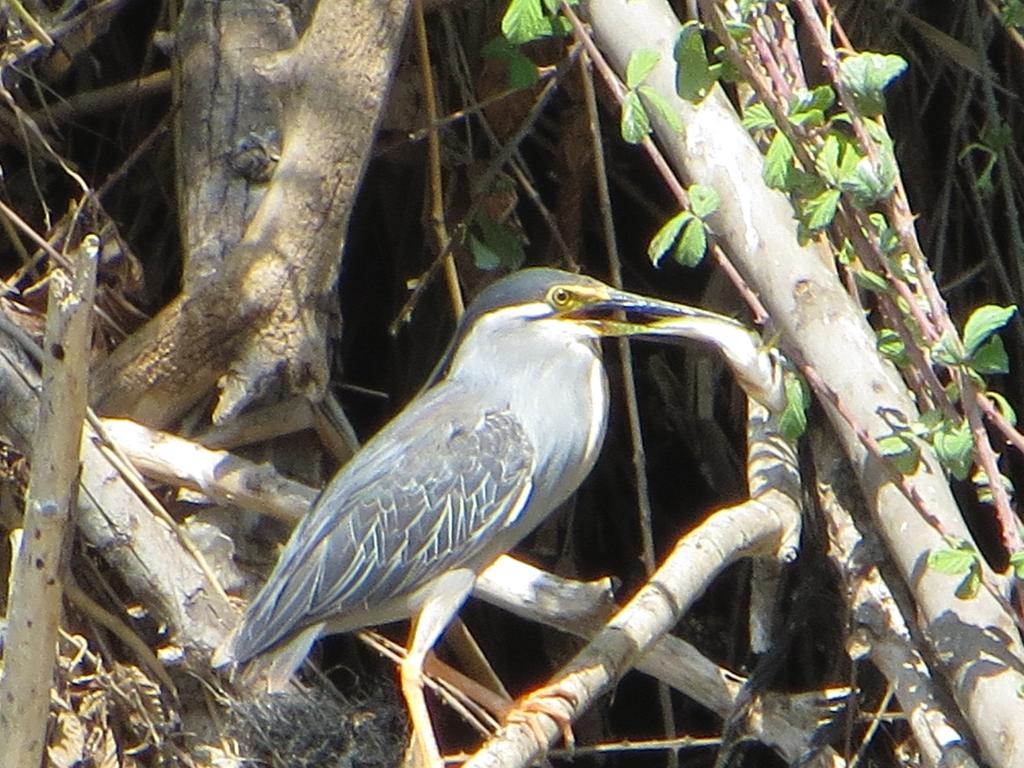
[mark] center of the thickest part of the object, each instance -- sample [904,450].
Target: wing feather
[425,496]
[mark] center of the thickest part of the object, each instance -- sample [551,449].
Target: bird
[509,425]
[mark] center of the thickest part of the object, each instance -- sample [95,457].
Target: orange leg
[439,607]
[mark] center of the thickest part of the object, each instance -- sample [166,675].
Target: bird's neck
[557,388]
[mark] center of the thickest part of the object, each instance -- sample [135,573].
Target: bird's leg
[443,600]
[284,662]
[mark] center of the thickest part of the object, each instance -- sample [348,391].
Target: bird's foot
[557,702]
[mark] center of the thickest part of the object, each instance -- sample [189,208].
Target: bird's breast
[567,407]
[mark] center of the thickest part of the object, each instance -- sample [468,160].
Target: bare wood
[259,425]
[117,525]
[179,354]
[225,478]
[786,722]
[765,526]
[580,608]
[880,631]
[148,555]
[257,303]
[819,323]
[34,617]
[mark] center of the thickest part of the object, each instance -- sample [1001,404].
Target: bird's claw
[556,702]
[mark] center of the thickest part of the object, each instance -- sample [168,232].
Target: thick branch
[761,527]
[115,523]
[821,325]
[255,312]
[34,616]
[879,624]
[583,609]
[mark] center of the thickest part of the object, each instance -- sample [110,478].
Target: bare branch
[257,306]
[820,324]
[880,628]
[765,526]
[36,592]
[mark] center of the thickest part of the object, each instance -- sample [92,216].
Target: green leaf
[807,108]
[747,8]
[928,422]
[820,210]
[953,562]
[892,347]
[850,160]
[888,237]
[484,257]
[664,107]
[827,161]
[520,71]
[983,322]
[946,352]
[954,445]
[1017,563]
[757,117]
[901,450]
[703,200]
[820,98]
[803,184]
[847,254]
[991,358]
[969,586]
[694,75]
[738,30]
[810,118]
[865,182]
[984,491]
[983,183]
[793,419]
[867,75]
[636,125]
[641,62]
[952,390]
[1004,406]
[494,245]
[997,134]
[1012,13]
[777,161]
[524,20]
[872,281]
[692,245]
[665,237]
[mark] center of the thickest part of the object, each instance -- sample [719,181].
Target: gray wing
[423,497]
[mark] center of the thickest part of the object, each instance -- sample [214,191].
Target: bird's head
[540,305]
[568,303]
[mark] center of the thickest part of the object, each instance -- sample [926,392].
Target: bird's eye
[560,297]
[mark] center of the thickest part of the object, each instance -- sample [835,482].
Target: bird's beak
[620,313]
[757,369]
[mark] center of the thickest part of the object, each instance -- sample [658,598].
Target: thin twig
[434,174]
[12,215]
[492,171]
[89,608]
[656,157]
[644,511]
[29,21]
